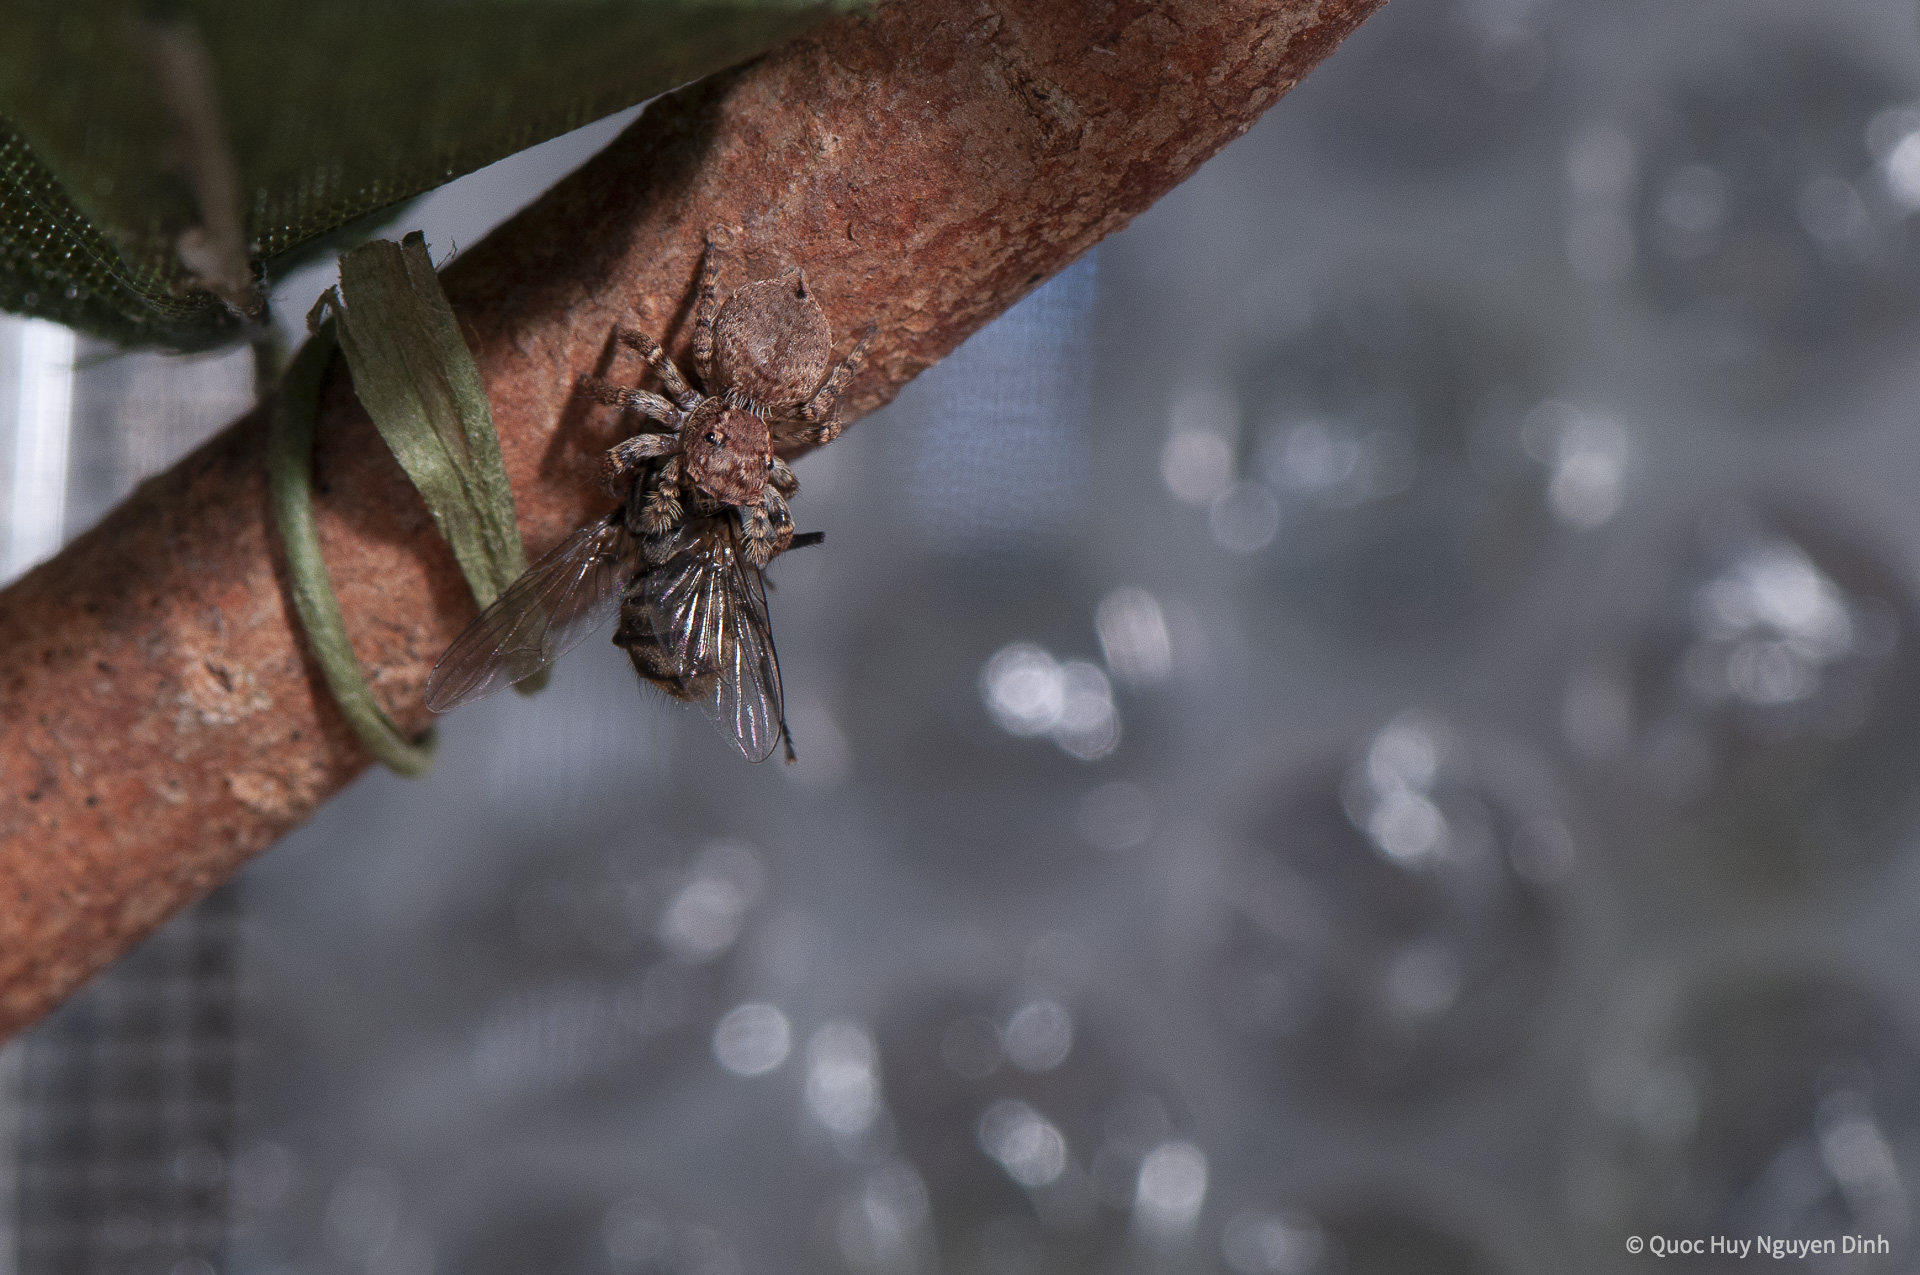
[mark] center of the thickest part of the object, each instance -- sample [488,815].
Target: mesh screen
[126,1111]
[56,265]
[157,162]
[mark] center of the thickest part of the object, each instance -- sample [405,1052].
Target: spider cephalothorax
[716,457]
[764,357]
[726,452]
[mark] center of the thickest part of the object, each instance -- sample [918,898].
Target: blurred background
[1372,726]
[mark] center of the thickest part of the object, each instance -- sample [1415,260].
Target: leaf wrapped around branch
[413,372]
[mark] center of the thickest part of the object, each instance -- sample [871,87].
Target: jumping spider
[703,510]
[764,357]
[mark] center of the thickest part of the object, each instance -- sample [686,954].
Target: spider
[763,355]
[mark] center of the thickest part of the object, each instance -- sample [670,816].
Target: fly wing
[547,612]
[709,611]
[749,703]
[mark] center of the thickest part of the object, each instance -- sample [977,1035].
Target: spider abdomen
[772,343]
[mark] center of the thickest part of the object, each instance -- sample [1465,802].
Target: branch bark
[930,163]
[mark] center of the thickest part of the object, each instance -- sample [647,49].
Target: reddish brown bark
[930,163]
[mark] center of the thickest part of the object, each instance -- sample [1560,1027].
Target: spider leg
[766,529]
[663,367]
[619,463]
[660,510]
[818,410]
[707,308]
[782,479]
[756,535]
[775,502]
[789,427]
[651,406]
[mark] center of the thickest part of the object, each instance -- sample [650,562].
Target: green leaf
[417,379]
[415,376]
[290,478]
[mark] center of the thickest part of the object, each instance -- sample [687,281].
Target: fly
[694,624]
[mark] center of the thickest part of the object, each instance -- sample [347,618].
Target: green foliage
[290,480]
[160,161]
[415,376]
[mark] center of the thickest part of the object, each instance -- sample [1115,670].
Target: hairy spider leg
[620,463]
[660,510]
[707,309]
[675,384]
[817,413]
[766,529]
[647,404]
[782,479]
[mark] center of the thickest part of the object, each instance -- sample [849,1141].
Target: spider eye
[713,440]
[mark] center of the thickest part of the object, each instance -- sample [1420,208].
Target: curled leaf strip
[414,374]
[290,475]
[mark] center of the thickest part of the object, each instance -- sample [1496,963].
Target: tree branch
[930,163]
